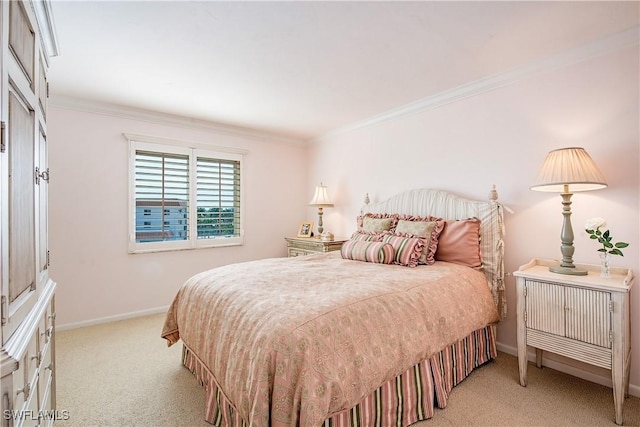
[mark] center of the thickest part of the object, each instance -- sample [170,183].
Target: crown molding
[107,109]
[600,47]
[168,141]
[47,29]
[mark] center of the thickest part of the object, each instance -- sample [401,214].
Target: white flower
[595,223]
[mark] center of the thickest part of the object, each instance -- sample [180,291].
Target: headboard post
[493,194]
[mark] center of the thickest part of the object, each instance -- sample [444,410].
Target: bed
[375,334]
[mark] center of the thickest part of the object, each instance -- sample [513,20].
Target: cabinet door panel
[21,38]
[22,272]
[545,307]
[588,317]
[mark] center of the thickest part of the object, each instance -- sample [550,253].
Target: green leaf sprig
[605,239]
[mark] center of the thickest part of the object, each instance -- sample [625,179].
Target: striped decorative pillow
[407,249]
[360,250]
[368,237]
[429,228]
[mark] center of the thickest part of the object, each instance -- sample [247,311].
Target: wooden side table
[297,246]
[585,318]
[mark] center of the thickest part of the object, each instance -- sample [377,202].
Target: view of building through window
[158,219]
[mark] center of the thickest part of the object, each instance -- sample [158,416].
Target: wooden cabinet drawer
[46,327]
[31,415]
[45,383]
[297,252]
[26,377]
[44,379]
[18,388]
[28,374]
[32,357]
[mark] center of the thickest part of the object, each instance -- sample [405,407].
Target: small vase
[605,265]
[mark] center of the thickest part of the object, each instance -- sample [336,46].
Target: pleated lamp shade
[321,198]
[569,166]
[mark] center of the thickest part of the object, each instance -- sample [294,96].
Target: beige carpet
[122,374]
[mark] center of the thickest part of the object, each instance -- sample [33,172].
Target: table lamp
[564,171]
[321,200]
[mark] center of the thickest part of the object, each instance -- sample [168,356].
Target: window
[183,197]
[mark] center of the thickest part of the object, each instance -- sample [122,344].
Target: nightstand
[297,246]
[585,318]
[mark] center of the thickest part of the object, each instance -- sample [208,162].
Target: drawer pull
[26,390]
[47,333]
[52,316]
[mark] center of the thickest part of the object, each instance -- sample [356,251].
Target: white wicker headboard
[424,202]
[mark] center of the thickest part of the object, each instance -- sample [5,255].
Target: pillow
[417,228]
[459,242]
[368,237]
[407,248]
[376,223]
[428,228]
[360,250]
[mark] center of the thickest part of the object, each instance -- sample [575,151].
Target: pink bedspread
[293,340]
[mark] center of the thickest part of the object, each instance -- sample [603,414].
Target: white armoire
[27,301]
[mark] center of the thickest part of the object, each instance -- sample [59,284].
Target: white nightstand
[297,246]
[585,318]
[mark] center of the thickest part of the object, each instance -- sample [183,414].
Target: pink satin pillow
[459,242]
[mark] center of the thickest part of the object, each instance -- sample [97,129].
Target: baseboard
[634,390]
[110,319]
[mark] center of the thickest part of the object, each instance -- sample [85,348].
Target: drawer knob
[26,390]
[47,333]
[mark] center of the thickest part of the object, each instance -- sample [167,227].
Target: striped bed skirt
[404,400]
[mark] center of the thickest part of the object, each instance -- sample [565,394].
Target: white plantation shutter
[162,196]
[218,198]
[183,198]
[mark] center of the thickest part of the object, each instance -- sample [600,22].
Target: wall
[96,275]
[502,137]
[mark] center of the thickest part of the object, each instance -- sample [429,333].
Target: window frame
[193,151]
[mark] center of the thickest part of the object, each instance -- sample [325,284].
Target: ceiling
[303,69]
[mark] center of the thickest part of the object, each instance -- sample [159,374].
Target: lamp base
[572,271]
